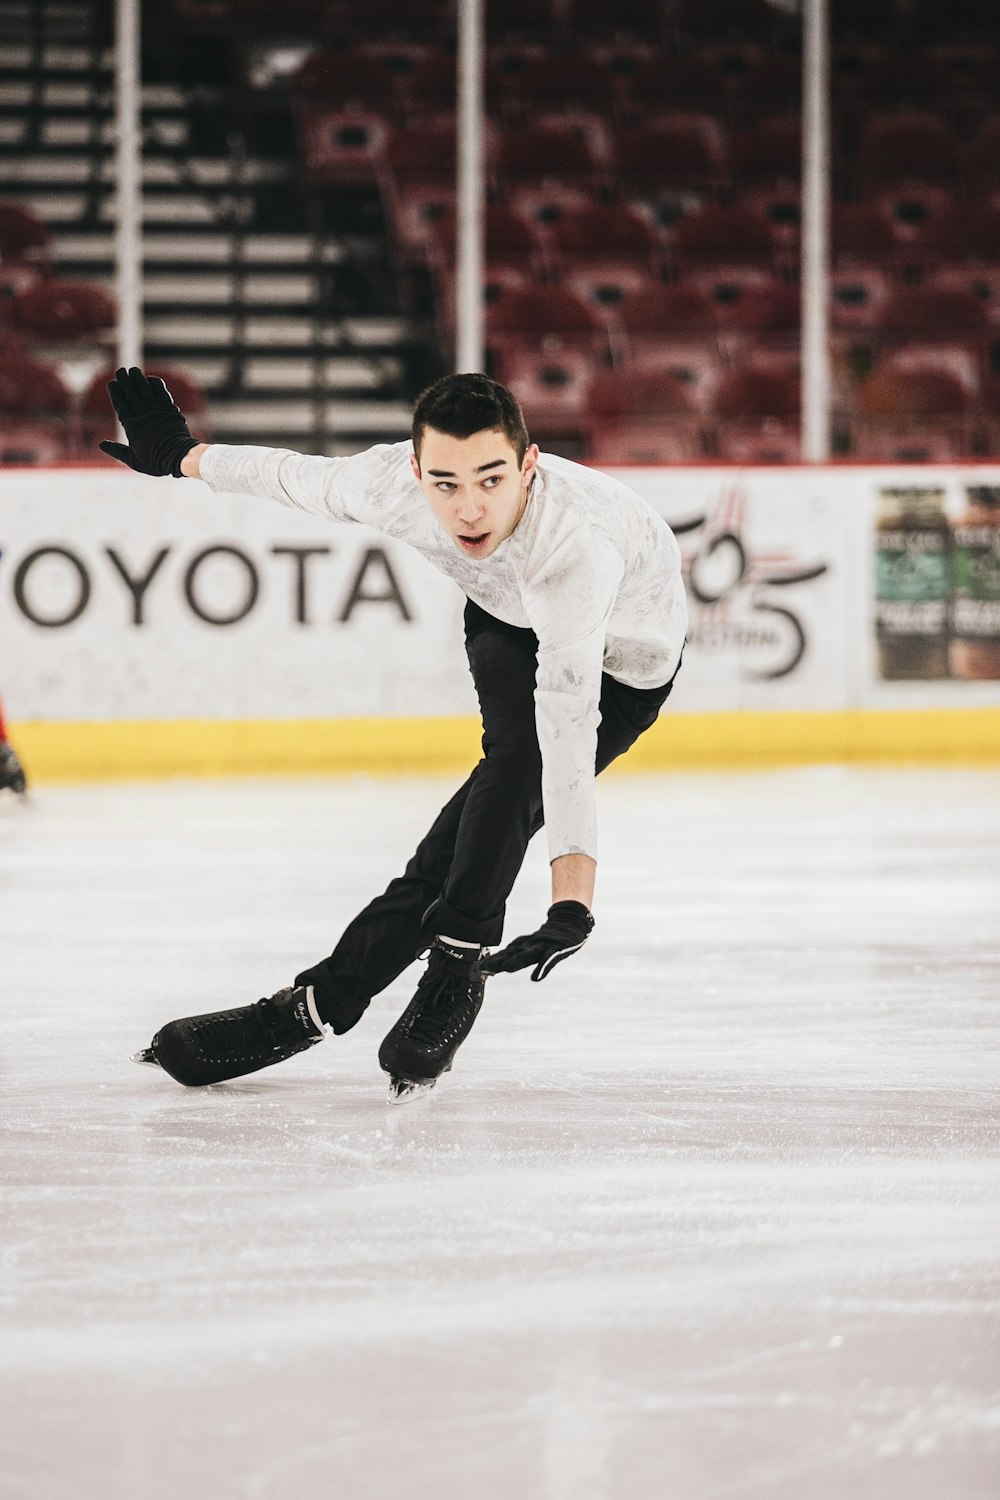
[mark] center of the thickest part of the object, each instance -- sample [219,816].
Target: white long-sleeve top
[590,567]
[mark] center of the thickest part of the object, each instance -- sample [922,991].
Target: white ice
[711,1214]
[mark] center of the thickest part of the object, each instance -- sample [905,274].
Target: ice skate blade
[144,1057]
[402,1090]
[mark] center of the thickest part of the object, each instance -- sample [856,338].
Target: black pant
[468,861]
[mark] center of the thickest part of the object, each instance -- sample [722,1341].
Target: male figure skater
[574,629]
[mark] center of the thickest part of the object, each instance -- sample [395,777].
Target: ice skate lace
[241,1029]
[443,998]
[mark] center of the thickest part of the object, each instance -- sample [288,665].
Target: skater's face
[475,486]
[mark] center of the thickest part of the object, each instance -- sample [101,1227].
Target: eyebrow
[496,463]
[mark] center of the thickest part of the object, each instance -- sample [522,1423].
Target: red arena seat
[974,279]
[724,234]
[422,153]
[859,296]
[768,152]
[544,203]
[545,318]
[431,87]
[757,416]
[912,416]
[23,235]
[673,329]
[771,85]
[29,387]
[915,146]
[551,387]
[616,397]
[861,231]
[342,145]
[498,280]
[673,83]
[603,233]
[584,84]
[922,311]
[670,311]
[606,286]
[533,154]
[781,205]
[30,443]
[681,151]
[510,238]
[415,210]
[66,310]
[764,317]
[910,80]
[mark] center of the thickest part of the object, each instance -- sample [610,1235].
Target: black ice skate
[12,775]
[228,1043]
[423,1042]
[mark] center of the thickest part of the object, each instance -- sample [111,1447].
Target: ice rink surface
[711,1214]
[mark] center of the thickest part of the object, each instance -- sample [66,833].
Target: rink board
[149,627]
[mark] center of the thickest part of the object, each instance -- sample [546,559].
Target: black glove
[157,432]
[566,928]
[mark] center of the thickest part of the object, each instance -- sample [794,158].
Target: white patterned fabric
[591,568]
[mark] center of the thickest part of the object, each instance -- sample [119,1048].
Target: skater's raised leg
[219,1045]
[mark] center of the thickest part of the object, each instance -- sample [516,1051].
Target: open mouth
[473,543]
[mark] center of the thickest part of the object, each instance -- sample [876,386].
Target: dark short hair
[463,404]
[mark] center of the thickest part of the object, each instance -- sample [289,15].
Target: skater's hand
[157,433]
[566,928]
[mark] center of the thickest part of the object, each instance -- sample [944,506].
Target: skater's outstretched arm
[339,489]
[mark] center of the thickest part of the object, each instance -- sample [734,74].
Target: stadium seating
[510,239]
[859,295]
[606,286]
[662,83]
[915,146]
[64,311]
[24,237]
[913,415]
[644,164]
[341,146]
[552,388]
[545,318]
[536,153]
[726,235]
[612,235]
[669,153]
[939,317]
[32,443]
[543,203]
[757,415]
[862,232]
[415,211]
[31,387]
[771,85]
[764,317]
[584,85]
[641,420]
[770,151]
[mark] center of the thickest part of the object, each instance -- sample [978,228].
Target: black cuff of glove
[573,912]
[181,456]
